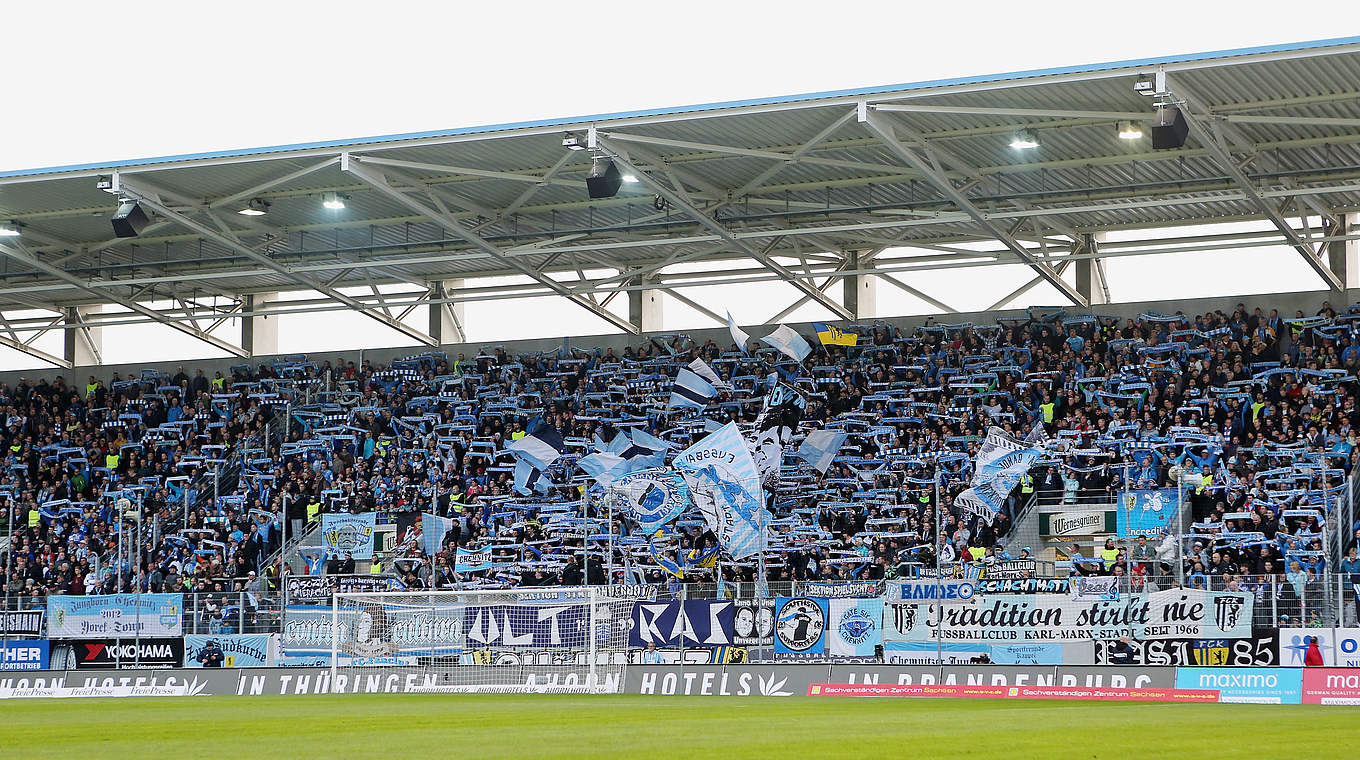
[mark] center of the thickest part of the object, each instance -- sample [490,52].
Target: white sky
[99,81]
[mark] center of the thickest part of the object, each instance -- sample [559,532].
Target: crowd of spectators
[1252,414]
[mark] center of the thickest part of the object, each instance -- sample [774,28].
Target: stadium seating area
[1253,413]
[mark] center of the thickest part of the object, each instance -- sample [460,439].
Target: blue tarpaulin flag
[820,447]
[788,342]
[725,486]
[1001,462]
[691,390]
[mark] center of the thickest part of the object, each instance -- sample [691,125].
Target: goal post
[532,640]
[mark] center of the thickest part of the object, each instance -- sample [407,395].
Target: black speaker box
[129,220]
[1170,135]
[604,179]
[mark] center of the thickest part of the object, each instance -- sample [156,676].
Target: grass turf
[664,728]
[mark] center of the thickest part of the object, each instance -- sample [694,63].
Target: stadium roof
[807,189]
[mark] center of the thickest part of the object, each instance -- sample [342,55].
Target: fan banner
[344,533]
[1184,613]
[114,615]
[682,624]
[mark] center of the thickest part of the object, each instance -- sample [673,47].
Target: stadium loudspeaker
[129,220]
[604,179]
[1171,135]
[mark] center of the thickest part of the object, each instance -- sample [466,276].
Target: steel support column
[83,346]
[879,127]
[1200,121]
[447,320]
[1343,256]
[440,215]
[679,197]
[1090,275]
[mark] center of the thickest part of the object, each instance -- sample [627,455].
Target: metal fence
[1325,600]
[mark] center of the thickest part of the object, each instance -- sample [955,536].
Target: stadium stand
[1250,414]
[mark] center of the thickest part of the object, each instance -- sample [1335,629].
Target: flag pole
[939,580]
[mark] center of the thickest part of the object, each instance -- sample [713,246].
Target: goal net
[522,640]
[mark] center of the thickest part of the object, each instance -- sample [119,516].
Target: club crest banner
[800,627]
[856,627]
[653,497]
[1146,512]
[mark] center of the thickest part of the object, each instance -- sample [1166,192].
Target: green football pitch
[659,728]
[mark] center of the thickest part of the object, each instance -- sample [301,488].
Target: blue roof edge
[696,108]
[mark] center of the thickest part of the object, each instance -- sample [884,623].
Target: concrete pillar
[1343,256]
[860,291]
[1090,278]
[83,347]
[448,320]
[645,307]
[260,335]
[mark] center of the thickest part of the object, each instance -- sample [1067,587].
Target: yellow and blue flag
[830,335]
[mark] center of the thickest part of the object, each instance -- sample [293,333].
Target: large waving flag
[701,368]
[433,528]
[529,479]
[725,486]
[691,390]
[604,467]
[1001,462]
[831,335]
[820,447]
[789,343]
[779,417]
[643,451]
[540,448]
[739,336]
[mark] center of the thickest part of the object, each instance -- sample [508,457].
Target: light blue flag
[645,452]
[724,484]
[433,528]
[605,468]
[820,447]
[1001,462]
[789,343]
[739,336]
[529,479]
